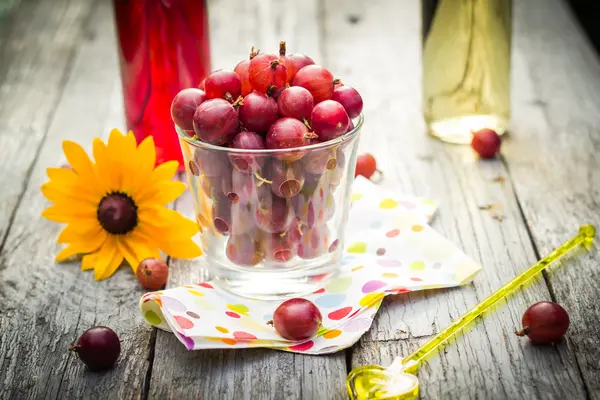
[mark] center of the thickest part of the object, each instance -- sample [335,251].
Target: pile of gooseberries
[271,207]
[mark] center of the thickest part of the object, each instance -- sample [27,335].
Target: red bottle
[163,48]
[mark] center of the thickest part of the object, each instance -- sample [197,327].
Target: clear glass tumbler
[272,222]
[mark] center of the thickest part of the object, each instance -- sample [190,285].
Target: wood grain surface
[59,80]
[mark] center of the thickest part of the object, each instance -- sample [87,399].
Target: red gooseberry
[486,143]
[365,165]
[267,73]
[544,322]
[297,319]
[152,273]
[317,80]
[242,69]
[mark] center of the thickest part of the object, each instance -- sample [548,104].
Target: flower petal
[123,243]
[161,193]
[61,213]
[146,154]
[108,260]
[89,261]
[67,252]
[168,224]
[81,163]
[60,196]
[68,182]
[106,173]
[165,171]
[180,248]
[82,247]
[81,232]
[143,247]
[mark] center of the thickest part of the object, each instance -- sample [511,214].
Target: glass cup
[163,48]
[272,222]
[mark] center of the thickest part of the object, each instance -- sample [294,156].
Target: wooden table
[59,80]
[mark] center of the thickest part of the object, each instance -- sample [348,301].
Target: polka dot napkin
[390,249]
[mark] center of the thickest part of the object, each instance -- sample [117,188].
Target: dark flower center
[117,213]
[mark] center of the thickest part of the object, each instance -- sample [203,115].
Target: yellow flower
[115,208]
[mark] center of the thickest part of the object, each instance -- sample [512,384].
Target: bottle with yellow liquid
[466,67]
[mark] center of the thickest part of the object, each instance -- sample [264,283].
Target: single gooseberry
[273,214]
[242,70]
[300,61]
[216,121]
[365,166]
[297,319]
[287,178]
[544,322]
[295,102]
[242,250]
[278,247]
[486,143]
[152,273]
[329,120]
[258,112]
[184,105]
[317,80]
[350,99]
[246,140]
[288,133]
[98,348]
[266,73]
[223,84]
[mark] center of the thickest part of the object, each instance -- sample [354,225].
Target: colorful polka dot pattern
[389,250]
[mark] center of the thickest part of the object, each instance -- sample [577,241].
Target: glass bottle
[466,67]
[163,48]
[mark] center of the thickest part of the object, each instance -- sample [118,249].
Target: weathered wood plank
[44,306]
[554,162]
[489,361]
[256,373]
[37,42]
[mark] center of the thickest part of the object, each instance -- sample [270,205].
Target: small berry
[152,273]
[365,166]
[98,348]
[544,322]
[486,143]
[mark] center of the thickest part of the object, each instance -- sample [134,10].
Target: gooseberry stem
[282,49]
[522,332]
[261,179]
[238,102]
